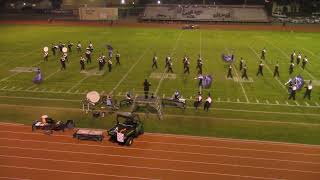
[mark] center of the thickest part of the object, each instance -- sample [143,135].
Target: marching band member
[241,63]
[154,61]
[186,66]
[63,63]
[110,65]
[260,69]
[168,59]
[276,70]
[198,101]
[117,58]
[299,57]
[53,49]
[244,72]
[207,103]
[304,62]
[293,92]
[146,88]
[101,64]
[170,64]
[88,56]
[45,56]
[79,47]
[230,71]
[291,68]
[70,46]
[292,56]
[308,90]
[82,63]
[263,54]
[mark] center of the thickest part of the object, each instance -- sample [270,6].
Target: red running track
[34,155]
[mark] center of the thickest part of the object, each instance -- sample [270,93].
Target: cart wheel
[129,141]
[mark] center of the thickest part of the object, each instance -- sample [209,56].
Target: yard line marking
[313,54]
[134,157]
[287,103]
[119,93]
[78,83]
[19,57]
[190,97]
[257,101]
[71,172]
[277,102]
[46,78]
[163,95]
[77,91]
[281,84]
[157,150]
[267,101]
[297,103]
[164,72]
[132,67]
[19,89]
[218,99]
[3,88]
[60,91]
[12,88]
[238,100]
[317,104]
[307,104]
[286,55]
[16,73]
[35,89]
[228,99]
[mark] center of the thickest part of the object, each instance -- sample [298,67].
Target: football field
[257,108]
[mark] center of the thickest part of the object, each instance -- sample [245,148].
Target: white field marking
[12,88]
[77,84]
[277,102]
[77,91]
[307,104]
[313,54]
[119,93]
[11,124]
[164,72]
[317,104]
[257,101]
[163,95]
[19,89]
[286,55]
[158,159]
[297,103]
[244,92]
[154,150]
[228,99]
[35,89]
[19,57]
[218,99]
[287,103]
[128,166]
[3,88]
[35,98]
[132,67]
[73,172]
[190,97]
[14,178]
[281,84]
[238,100]
[267,101]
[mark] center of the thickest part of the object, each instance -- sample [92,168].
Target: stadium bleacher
[229,13]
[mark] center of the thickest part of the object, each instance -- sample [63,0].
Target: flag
[207,81]
[227,58]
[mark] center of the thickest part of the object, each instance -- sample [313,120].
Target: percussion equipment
[93,96]
[46,49]
[64,49]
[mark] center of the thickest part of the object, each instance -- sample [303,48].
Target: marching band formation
[293,84]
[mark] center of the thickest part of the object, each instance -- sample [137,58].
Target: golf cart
[128,127]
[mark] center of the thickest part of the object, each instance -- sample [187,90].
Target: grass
[235,112]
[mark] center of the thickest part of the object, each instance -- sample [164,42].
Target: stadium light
[24,3]
[123,1]
[159,2]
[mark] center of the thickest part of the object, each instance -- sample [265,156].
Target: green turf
[236,112]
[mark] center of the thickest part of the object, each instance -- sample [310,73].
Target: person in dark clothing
[244,73]
[260,69]
[293,92]
[110,65]
[241,63]
[88,56]
[263,54]
[186,66]
[117,58]
[308,90]
[63,63]
[82,63]
[146,88]
[169,67]
[69,46]
[230,72]
[154,62]
[276,70]
[291,68]
[53,49]
[304,62]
